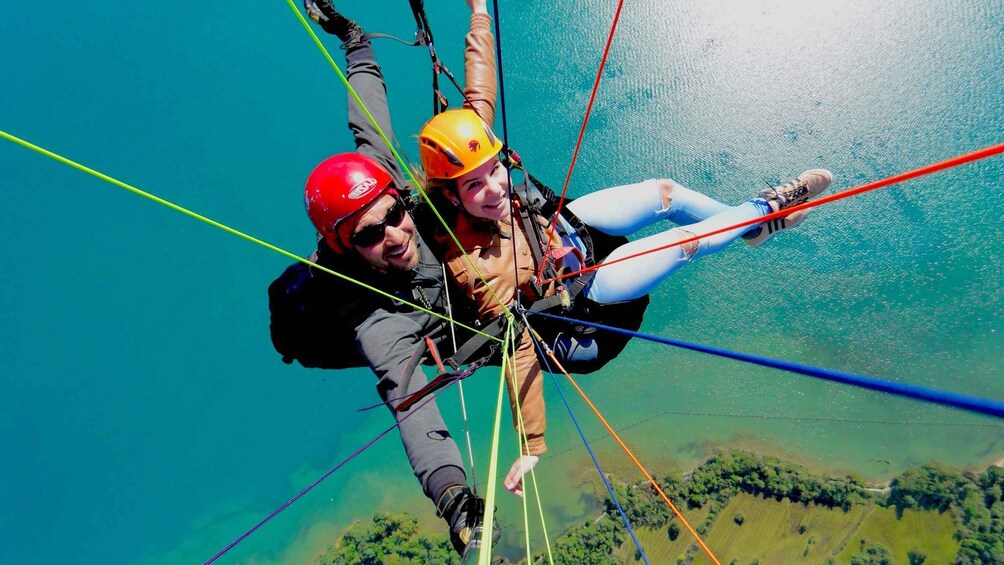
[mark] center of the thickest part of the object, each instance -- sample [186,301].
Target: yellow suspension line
[223,227]
[543,525]
[521,441]
[540,510]
[624,446]
[485,556]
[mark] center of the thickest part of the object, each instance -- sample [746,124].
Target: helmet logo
[361,188]
[473,146]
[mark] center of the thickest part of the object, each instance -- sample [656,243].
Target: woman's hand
[478,6]
[523,465]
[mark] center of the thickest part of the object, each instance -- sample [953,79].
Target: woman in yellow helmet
[461,157]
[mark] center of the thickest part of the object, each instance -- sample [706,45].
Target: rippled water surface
[144,417]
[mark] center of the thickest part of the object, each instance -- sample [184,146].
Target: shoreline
[583,474]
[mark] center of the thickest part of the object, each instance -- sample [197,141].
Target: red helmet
[339,187]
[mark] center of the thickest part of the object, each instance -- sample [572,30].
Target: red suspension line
[589,109]
[926,170]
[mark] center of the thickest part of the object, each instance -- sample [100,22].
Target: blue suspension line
[970,403]
[599,469]
[505,142]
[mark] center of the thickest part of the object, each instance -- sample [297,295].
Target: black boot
[465,514]
[324,14]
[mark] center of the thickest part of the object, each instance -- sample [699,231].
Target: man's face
[396,249]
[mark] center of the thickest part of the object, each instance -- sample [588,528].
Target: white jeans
[623,210]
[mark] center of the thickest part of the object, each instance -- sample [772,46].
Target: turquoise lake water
[145,418]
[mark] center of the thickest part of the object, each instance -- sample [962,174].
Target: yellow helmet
[456,142]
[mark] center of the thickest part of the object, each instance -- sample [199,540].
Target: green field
[657,544]
[929,532]
[783,532]
[779,532]
[757,510]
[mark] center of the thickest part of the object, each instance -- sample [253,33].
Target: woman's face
[484,192]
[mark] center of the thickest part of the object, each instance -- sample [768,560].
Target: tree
[872,554]
[390,539]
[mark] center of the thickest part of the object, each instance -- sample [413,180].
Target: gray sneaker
[801,189]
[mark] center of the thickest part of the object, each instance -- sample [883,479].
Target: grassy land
[658,547]
[755,510]
[786,532]
[930,533]
[779,532]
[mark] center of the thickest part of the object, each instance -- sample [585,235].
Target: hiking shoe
[465,514]
[806,186]
[324,14]
[757,237]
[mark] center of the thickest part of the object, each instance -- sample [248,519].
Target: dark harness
[534,198]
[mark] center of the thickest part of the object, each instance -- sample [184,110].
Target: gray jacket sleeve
[366,78]
[393,346]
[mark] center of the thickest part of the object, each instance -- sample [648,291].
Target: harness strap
[545,202]
[562,299]
[479,345]
[473,346]
[443,380]
[533,238]
[424,37]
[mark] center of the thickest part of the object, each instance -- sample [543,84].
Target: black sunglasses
[374,233]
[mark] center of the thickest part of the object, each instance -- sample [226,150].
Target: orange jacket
[494,248]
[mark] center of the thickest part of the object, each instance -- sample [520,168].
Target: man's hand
[523,465]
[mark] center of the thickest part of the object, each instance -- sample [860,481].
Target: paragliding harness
[568,300]
[310,323]
[534,198]
[313,324]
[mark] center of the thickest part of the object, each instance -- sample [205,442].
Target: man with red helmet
[356,201]
[354,205]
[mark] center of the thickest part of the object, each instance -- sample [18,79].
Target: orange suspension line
[926,170]
[624,446]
